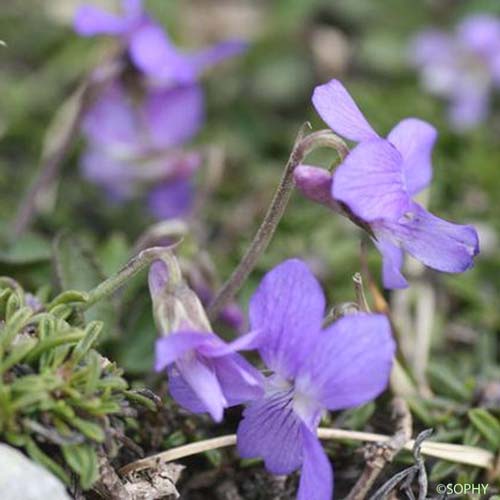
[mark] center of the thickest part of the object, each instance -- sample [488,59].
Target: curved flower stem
[302,147]
[161,231]
[468,455]
[133,266]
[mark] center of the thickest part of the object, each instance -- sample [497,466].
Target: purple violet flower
[463,67]
[205,374]
[148,45]
[377,181]
[314,369]
[135,144]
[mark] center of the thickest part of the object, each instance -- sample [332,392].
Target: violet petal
[370,181]
[154,54]
[270,429]
[174,116]
[202,378]
[170,348]
[91,21]
[111,120]
[249,341]
[392,262]
[171,199]
[316,477]
[435,242]
[240,381]
[288,307]
[351,363]
[338,109]
[206,58]
[469,106]
[182,393]
[414,139]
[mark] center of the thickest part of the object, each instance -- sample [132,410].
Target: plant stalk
[467,455]
[133,266]
[302,147]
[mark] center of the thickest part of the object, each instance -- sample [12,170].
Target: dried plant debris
[155,483]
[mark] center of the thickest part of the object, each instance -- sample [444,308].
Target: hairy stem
[302,147]
[133,266]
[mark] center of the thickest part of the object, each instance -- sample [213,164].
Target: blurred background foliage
[255,105]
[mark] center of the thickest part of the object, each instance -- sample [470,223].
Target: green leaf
[70,296]
[177,438]
[419,408]
[77,269]
[442,470]
[113,253]
[136,355]
[214,457]
[14,326]
[487,425]
[17,354]
[27,249]
[82,459]
[472,436]
[72,337]
[445,382]
[43,459]
[136,397]
[92,332]
[93,373]
[89,429]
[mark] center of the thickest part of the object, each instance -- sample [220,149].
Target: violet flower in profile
[205,373]
[463,67]
[148,45]
[314,369]
[376,182]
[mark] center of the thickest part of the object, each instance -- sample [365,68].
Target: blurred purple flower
[134,143]
[343,366]
[171,199]
[205,374]
[377,181]
[463,67]
[130,145]
[148,45]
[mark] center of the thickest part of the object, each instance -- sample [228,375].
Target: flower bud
[175,306]
[316,184]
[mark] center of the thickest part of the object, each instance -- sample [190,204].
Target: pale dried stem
[467,455]
[379,455]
